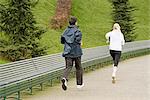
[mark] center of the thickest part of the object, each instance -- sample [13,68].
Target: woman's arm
[107,36]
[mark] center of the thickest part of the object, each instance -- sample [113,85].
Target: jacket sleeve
[78,36]
[62,40]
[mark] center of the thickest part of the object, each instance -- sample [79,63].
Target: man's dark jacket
[71,38]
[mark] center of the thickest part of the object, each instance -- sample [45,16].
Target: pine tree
[18,24]
[122,14]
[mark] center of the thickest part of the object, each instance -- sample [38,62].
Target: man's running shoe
[80,86]
[64,84]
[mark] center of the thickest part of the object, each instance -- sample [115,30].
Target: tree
[18,24]
[122,14]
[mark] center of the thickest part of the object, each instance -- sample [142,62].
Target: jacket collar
[72,26]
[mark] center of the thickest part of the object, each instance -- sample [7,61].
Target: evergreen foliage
[122,14]
[18,24]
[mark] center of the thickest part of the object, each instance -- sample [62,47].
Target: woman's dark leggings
[116,56]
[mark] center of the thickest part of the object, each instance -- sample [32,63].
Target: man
[71,38]
[116,40]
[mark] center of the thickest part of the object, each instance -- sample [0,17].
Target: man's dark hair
[72,20]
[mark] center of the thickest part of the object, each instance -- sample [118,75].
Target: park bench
[25,74]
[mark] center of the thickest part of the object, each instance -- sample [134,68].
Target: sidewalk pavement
[133,83]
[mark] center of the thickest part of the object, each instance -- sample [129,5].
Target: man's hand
[81,44]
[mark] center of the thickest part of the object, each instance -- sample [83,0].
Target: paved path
[133,83]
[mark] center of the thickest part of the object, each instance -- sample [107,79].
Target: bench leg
[41,86]
[5,97]
[31,90]
[51,81]
[18,98]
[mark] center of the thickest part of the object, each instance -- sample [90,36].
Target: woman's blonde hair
[116,26]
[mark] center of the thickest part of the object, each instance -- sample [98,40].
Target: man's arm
[78,36]
[62,40]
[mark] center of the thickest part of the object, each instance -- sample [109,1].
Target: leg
[112,53]
[117,55]
[117,58]
[79,71]
[69,65]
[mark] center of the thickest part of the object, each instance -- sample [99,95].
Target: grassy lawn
[43,12]
[94,20]
[142,16]
[3,61]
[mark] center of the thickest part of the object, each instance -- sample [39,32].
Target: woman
[116,40]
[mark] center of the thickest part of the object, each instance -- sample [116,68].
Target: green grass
[43,12]
[142,16]
[94,20]
[3,61]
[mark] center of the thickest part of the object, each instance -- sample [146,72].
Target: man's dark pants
[79,71]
